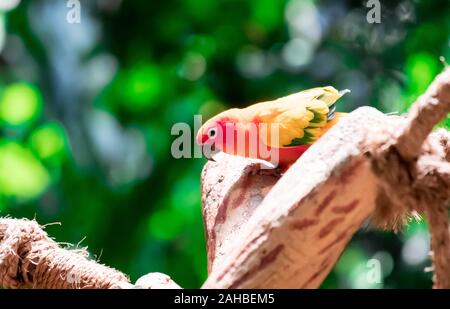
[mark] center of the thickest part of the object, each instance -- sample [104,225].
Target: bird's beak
[201,138]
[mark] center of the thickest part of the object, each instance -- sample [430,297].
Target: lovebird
[277,131]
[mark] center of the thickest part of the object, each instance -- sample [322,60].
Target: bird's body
[279,131]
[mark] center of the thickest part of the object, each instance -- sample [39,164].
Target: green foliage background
[86,112]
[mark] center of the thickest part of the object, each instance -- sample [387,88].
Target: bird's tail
[332,107]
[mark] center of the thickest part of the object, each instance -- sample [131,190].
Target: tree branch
[31,259]
[364,166]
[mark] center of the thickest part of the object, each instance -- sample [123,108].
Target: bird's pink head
[214,131]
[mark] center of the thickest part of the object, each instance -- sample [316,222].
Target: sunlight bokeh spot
[141,87]
[20,104]
[48,141]
[21,174]
[421,68]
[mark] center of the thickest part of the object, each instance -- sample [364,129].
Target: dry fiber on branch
[30,259]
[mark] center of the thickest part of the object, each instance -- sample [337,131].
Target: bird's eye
[212,132]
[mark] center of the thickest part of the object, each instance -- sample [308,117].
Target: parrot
[277,131]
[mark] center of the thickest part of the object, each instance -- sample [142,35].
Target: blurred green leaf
[139,87]
[20,104]
[49,141]
[21,173]
[421,68]
[165,224]
[267,14]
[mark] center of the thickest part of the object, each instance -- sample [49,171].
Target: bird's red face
[216,134]
[211,133]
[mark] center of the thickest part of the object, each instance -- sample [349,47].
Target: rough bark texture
[429,109]
[244,183]
[29,258]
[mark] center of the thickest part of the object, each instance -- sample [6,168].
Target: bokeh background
[86,111]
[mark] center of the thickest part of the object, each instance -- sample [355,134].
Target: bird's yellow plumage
[298,119]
